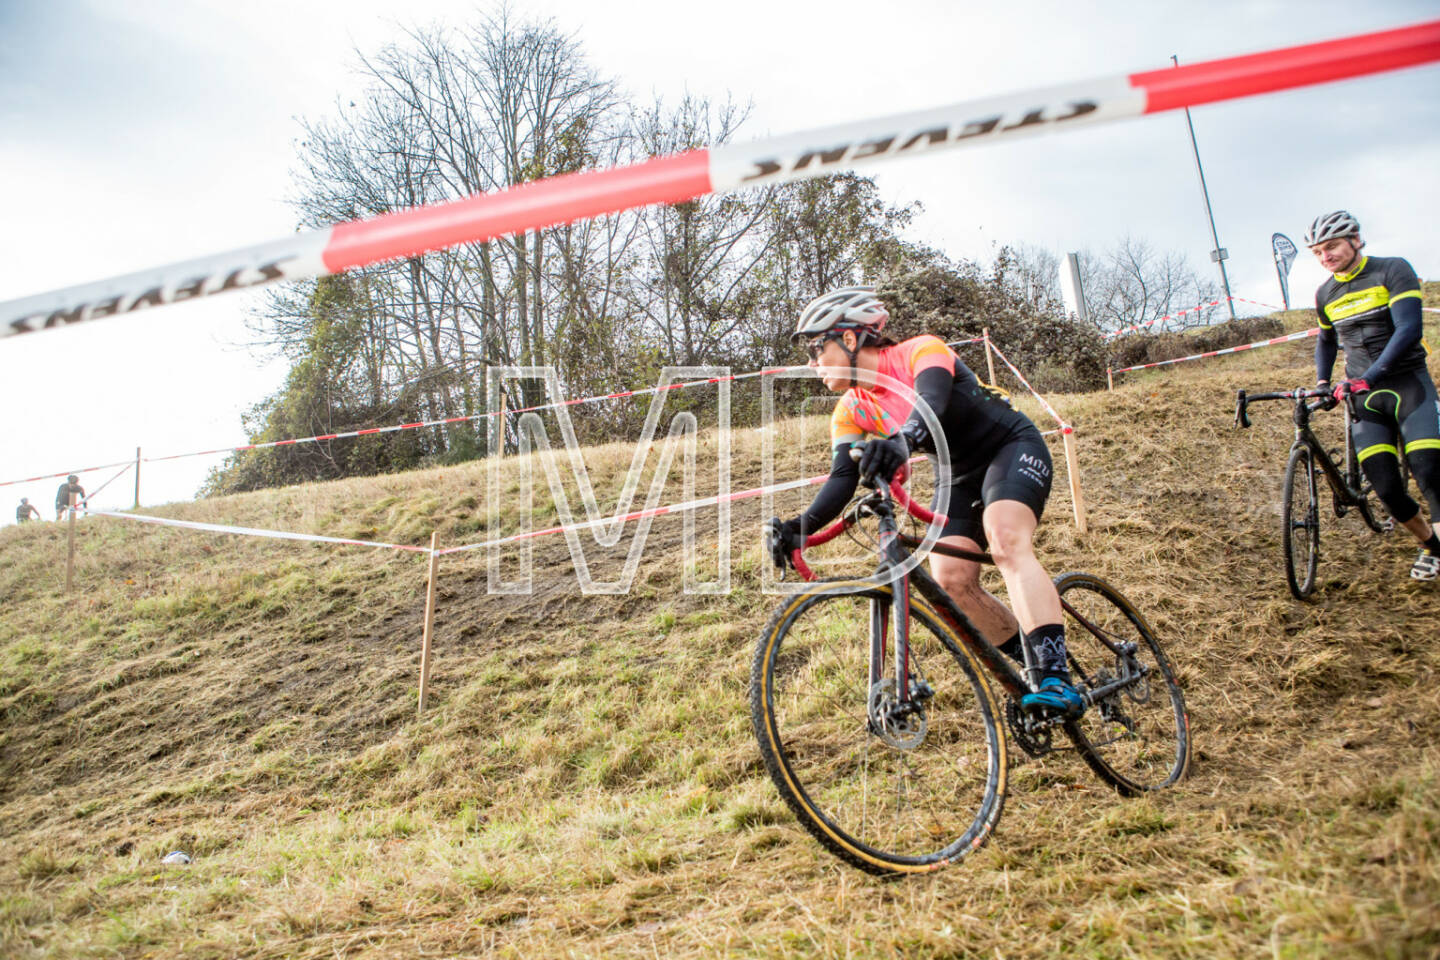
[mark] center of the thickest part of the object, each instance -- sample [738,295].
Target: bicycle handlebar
[1242,400]
[897,492]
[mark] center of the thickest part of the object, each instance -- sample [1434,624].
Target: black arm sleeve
[933,385]
[837,491]
[1408,329]
[1326,344]
[1325,350]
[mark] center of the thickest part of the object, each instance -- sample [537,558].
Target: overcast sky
[140,133]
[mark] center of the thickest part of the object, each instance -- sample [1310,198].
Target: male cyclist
[62,495]
[1371,307]
[1000,463]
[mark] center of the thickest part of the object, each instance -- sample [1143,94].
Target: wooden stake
[137,478]
[503,416]
[70,554]
[1072,467]
[1110,378]
[429,623]
[989,359]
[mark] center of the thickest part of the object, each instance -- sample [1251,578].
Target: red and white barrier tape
[1170,316]
[1064,427]
[685,176]
[1267,306]
[640,514]
[449,420]
[1173,316]
[644,391]
[66,473]
[499,541]
[96,492]
[1215,353]
[252,531]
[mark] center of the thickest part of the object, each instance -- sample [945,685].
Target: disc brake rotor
[901,725]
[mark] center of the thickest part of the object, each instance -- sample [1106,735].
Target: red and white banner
[1216,353]
[685,176]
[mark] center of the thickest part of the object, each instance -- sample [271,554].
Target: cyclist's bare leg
[961,579]
[1010,528]
[1418,526]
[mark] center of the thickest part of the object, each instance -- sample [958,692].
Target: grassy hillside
[585,782]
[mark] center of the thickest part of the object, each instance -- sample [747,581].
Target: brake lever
[856,452]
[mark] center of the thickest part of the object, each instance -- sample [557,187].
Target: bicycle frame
[1348,487]
[893,546]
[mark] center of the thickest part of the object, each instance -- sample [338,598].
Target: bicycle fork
[895,709]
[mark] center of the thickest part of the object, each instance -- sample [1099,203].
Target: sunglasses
[817,346]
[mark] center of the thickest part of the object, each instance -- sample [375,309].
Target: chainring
[1035,740]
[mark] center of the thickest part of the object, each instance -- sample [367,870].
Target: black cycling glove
[781,538]
[882,457]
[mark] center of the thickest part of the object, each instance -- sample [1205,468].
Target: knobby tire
[882,808]
[1300,523]
[1137,738]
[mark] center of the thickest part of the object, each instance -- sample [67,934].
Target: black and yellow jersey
[1355,306]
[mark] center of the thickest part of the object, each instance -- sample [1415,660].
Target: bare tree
[695,266]
[1130,283]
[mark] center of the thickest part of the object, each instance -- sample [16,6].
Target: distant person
[26,511]
[1371,307]
[62,495]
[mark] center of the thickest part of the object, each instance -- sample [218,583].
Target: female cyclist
[999,462]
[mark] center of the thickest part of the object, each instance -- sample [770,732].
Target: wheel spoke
[1137,736]
[918,789]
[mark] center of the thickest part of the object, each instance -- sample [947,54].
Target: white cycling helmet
[849,308]
[1332,225]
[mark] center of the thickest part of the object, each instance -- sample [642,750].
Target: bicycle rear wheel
[884,801]
[1136,738]
[1300,523]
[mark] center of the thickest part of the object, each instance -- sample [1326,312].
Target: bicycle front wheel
[1137,736]
[1300,523]
[887,799]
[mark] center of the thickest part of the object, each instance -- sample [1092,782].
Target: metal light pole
[1219,254]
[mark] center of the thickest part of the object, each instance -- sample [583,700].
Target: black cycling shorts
[1399,412]
[1020,470]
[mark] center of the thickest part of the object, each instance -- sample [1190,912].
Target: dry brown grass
[586,783]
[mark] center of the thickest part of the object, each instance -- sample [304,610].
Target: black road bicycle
[874,702]
[1300,508]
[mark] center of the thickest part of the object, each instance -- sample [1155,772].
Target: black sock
[1433,544]
[1048,642]
[1012,649]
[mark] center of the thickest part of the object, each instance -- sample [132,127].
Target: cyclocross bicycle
[1300,506]
[875,706]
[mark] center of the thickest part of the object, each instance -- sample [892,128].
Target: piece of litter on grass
[175,856]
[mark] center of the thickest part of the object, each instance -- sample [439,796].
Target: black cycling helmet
[72,479]
[1337,224]
[24,500]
